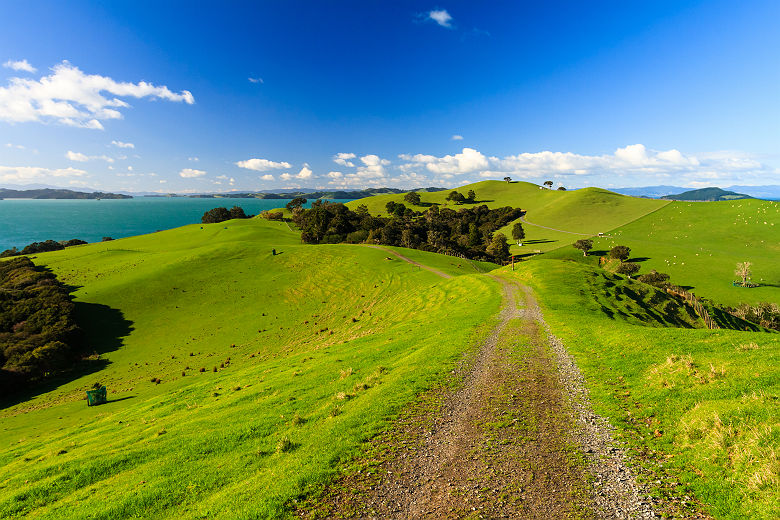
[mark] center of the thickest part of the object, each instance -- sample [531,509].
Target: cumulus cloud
[189,173]
[441,17]
[469,160]
[457,137]
[335,175]
[120,144]
[80,157]
[70,97]
[344,159]
[267,177]
[305,173]
[262,165]
[372,172]
[22,65]
[33,173]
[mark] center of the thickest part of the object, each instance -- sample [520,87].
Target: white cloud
[32,173]
[189,173]
[22,65]
[261,165]
[120,144]
[335,175]
[285,176]
[223,177]
[12,145]
[305,173]
[80,157]
[193,159]
[75,156]
[441,17]
[256,80]
[70,97]
[457,137]
[469,160]
[344,159]
[267,177]
[163,181]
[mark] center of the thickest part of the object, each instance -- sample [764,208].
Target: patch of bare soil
[498,445]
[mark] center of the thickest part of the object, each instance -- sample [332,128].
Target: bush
[620,253]
[215,216]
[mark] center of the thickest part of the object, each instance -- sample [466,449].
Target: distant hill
[311,194]
[708,195]
[49,193]
[769,192]
[650,191]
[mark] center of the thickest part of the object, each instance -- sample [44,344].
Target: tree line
[470,232]
[38,333]
[43,247]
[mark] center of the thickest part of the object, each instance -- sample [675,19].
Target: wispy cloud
[256,80]
[80,157]
[22,65]
[441,17]
[120,144]
[189,173]
[34,173]
[70,97]
[457,137]
[262,165]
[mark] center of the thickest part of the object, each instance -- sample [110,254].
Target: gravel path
[615,491]
[501,444]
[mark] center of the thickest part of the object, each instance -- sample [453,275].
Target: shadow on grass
[538,241]
[104,329]
[639,259]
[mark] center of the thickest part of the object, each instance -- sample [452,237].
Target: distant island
[707,195]
[334,195]
[48,193]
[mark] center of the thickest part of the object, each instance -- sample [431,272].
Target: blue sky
[176,97]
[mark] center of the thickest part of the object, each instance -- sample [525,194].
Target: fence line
[694,302]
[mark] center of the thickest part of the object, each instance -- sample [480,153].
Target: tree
[216,215]
[743,271]
[237,212]
[627,268]
[518,233]
[583,245]
[471,197]
[620,253]
[561,188]
[297,202]
[549,184]
[412,198]
[390,206]
[655,278]
[456,197]
[508,179]
[498,247]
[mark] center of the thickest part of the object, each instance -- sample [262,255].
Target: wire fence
[694,302]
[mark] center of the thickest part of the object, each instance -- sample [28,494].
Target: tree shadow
[103,329]
[598,252]
[639,259]
[538,241]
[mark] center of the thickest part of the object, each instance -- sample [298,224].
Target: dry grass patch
[683,371]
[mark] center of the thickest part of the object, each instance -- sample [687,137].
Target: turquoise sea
[23,221]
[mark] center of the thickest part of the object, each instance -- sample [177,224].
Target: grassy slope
[705,401]
[590,210]
[700,243]
[208,444]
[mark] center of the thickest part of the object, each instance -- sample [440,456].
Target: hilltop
[711,194]
[50,193]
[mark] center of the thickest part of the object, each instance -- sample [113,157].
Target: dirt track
[507,442]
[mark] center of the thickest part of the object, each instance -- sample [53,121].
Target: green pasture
[700,243]
[704,404]
[305,355]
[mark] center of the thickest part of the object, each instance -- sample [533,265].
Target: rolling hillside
[570,213]
[271,369]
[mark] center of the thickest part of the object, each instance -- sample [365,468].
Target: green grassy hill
[570,213]
[273,369]
[697,407]
[700,243]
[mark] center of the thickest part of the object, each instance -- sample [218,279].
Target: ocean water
[24,221]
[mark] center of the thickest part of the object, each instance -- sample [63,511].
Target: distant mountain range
[49,193]
[770,192]
[707,195]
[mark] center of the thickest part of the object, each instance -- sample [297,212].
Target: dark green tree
[620,253]
[215,215]
[412,198]
[518,233]
[471,197]
[498,248]
[237,212]
[627,268]
[583,245]
[297,202]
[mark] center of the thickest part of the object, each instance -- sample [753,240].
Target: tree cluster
[765,314]
[469,232]
[38,332]
[217,215]
[458,198]
[41,247]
